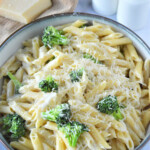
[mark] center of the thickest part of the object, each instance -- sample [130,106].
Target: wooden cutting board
[7,26]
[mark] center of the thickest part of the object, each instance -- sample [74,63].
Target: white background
[86,7]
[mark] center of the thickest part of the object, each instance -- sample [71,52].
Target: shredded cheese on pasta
[120,74]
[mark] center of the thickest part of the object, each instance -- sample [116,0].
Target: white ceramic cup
[105,7]
[133,13]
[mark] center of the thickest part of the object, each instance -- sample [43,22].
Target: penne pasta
[80,86]
[116,42]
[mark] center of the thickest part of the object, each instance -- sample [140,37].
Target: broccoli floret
[72,131]
[12,126]
[15,81]
[109,105]
[60,114]
[76,75]
[48,85]
[88,56]
[53,37]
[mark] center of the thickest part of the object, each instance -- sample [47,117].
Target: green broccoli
[85,25]
[48,85]
[53,37]
[12,126]
[76,75]
[60,114]
[72,131]
[51,59]
[15,81]
[88,56]
[122,106]
[109,105]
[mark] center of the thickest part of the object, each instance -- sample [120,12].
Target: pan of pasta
[74,82]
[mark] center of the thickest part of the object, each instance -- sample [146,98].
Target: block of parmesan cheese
[23,10]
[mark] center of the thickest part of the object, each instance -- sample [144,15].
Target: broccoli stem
[70,141]
[47,116]
[74,140]
[117,115]
[60,114]
[15,81]
[88,56]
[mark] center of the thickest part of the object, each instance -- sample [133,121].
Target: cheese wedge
[23,10]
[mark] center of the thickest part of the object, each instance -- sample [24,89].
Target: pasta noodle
[113,67]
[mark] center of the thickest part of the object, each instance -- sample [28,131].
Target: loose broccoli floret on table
[15,81]
[48,85]
[52,37]
[76,75]
[72,131]
[60,114]
[12,126]
[109,105]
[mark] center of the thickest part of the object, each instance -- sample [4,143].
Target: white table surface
[86,7]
